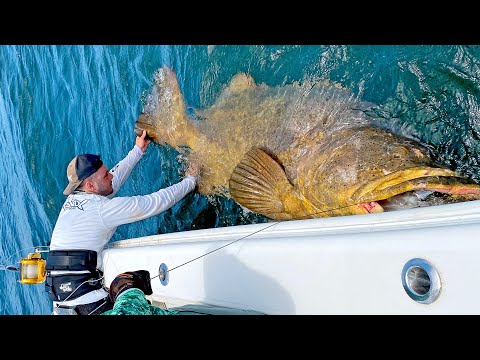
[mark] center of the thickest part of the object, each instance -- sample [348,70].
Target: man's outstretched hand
[193,168]
[141,142]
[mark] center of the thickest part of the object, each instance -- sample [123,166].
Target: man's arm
[123,169]
[125,210]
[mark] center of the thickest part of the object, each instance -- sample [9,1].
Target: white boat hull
[338,265]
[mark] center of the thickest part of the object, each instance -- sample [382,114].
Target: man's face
[103,181]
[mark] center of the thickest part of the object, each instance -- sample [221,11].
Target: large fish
[298,151]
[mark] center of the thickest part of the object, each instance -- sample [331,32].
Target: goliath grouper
[298,151]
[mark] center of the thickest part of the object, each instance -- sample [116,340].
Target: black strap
[73,260]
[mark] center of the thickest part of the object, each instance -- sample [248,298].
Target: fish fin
[167,97]
[259,183]
[167,113]
[240,82]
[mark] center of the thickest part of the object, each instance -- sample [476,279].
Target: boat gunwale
[441,215]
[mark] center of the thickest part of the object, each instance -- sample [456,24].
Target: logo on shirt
[74,204]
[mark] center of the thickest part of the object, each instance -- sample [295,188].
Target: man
[88,220]
[127,293]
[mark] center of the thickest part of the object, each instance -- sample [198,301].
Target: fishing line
[275,223]
[3,267]
[255,232]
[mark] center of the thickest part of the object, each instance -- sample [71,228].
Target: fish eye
[400,151]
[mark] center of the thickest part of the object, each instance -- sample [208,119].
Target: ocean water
[57,101]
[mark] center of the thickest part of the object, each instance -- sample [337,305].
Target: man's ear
[90,186]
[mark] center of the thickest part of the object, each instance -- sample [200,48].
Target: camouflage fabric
[134,302]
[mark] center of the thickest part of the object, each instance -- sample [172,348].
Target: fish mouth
[143,123]
[416,187]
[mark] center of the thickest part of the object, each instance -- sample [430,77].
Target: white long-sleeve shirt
[88,221]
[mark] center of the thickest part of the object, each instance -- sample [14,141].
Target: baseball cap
[81,167]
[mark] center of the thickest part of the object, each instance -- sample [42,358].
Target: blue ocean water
[57,101]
